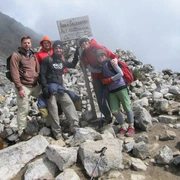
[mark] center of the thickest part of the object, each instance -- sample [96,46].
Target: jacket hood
[45,38]
[93,42]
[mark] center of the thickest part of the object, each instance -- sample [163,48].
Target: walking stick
[101,118]
[102,151]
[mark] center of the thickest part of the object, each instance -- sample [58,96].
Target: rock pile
[155,100]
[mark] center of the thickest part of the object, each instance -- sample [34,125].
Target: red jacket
[43,52]
[89,57]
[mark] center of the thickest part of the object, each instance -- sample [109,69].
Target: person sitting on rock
[46,50]
[113,78]
[51,71]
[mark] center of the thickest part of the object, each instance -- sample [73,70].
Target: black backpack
[8,73]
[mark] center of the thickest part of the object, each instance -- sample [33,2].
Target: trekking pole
[101,118]
[102,151]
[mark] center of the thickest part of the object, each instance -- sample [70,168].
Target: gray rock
[41,169]
[143,119]
[68,174]
[63,157]
[164,155]
[112,158]
[140,150]
[15,157]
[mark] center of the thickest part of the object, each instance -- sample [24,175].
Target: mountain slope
[11,32]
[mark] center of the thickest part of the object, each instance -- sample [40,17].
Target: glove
[46,93]
[44,112]
[107,81]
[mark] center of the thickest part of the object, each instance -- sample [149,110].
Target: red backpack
[128,75]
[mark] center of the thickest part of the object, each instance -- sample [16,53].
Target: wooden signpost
[73,29]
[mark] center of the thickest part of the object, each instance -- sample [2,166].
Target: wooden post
[88,88]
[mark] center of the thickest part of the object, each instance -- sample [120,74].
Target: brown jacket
[26,74]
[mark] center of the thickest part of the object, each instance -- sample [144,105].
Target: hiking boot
[116,123]
[121,132]
[65,136]
[105,120]
[58,136]
[72,129]
[130,131]
[24,136]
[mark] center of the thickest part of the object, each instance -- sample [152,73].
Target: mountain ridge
[11,32]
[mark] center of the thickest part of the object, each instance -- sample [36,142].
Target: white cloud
[150,28]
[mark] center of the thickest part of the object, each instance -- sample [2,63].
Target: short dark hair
[25,37]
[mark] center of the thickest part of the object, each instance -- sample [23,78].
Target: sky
[148,28]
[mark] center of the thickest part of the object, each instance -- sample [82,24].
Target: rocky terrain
[152,153]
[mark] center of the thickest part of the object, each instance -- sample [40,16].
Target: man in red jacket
[89,59]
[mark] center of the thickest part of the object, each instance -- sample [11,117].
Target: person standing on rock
[52,70]
[88,57]
[113,78]
[25,74]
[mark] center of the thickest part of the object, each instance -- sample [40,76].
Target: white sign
[74,28]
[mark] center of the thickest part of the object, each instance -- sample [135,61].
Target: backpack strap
[20,58]
[35,64]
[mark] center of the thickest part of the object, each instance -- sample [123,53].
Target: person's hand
[114,62]
[46,93]
[107,80]
[22,93]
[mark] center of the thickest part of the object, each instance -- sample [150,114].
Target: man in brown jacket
[24,73]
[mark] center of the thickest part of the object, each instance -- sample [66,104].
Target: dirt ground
[154,171]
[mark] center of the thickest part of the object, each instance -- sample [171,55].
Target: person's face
[26,44]
[85,44]
[101,57]
[46,44]
[58,50]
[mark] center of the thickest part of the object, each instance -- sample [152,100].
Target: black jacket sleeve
[43,72]
[74,61]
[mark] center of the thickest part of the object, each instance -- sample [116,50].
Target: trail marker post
[73,29]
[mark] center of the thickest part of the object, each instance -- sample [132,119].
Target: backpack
[8,73]
[128,75]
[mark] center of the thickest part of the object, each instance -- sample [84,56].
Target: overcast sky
[149,28]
